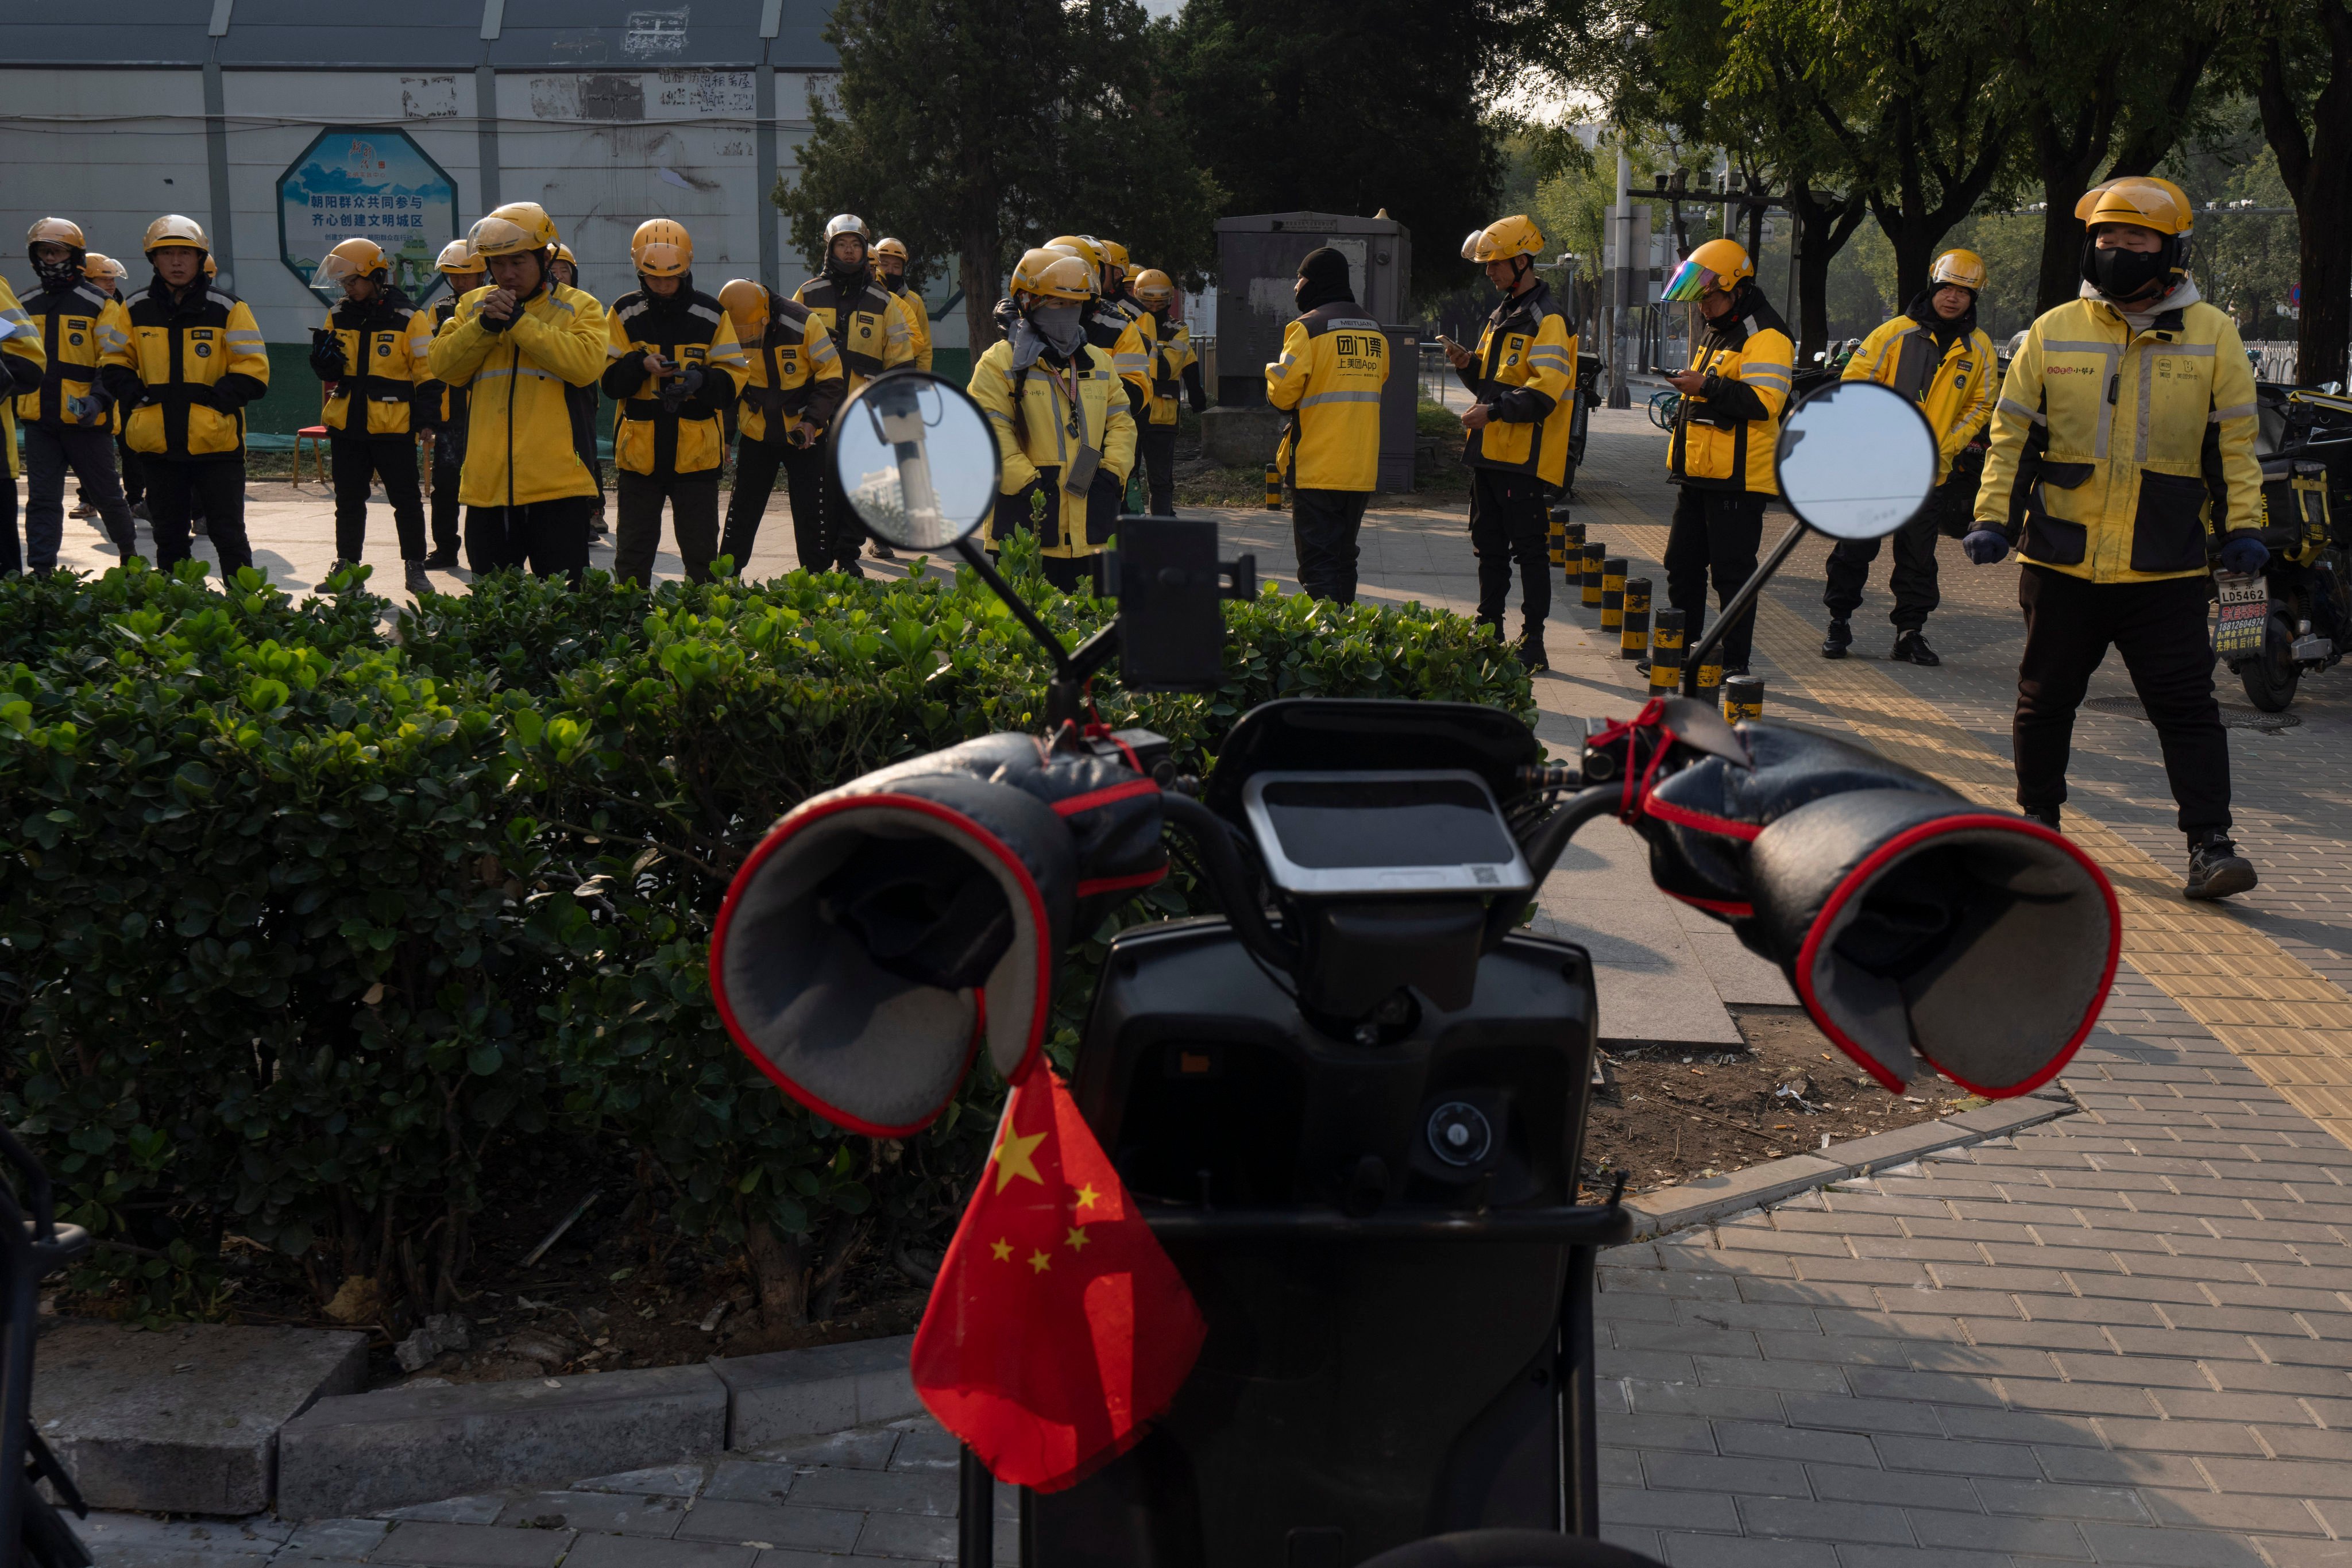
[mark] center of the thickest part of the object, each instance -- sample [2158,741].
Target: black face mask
[2121,275]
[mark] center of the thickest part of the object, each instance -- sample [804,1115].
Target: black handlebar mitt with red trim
[1910,921]
[1700,819]
[882,929]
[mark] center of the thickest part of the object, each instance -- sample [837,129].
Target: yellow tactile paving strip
[2291,1025]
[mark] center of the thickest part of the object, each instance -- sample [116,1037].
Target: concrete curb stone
[1695,1203]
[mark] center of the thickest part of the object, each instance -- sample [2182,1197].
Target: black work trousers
[1323,528]
[546,536]
[845,534]
[354,464]
[12,552]
[757,464]
[213,489]
[89,452]
[693,515]
[1713,539]
[1509,524]
[1156,444]
[134,469]
[448,469]
[2159,628]
[1914,579]
[806,477]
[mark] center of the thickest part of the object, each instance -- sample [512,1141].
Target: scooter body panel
[1352,1395]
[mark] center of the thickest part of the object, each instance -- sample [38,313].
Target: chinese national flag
[1058,1329]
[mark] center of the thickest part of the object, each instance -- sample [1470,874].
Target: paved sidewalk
[881,1497]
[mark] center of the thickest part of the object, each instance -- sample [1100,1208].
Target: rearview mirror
[1857,460]
[917,460]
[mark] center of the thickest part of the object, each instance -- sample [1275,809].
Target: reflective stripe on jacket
[2115,453]
[1335,360]
[869,331]
[686,329]
[187,369]
[794,372]
[385,342]
[918,324]
[1725,437]
[1526,375]
[26,361]
[518,447]
[1040,440]
[76,326]
[1954,390]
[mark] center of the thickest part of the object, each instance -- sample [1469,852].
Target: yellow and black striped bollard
[1612,594]
[1593,551]
[1665,652]
[1272,487]
[1556,537]
[1633,640]
[1743,698]
[1571,558]
[1710,679]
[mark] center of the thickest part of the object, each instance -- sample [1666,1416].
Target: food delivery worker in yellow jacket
[514,347]
[371,354]
[1061,418]
[870,334]
[442,408]
[891,270]
[1524,377]
[1721,450]
[2123,450]
[794,388]
[23,361]
[1936,355]
[675,369]
[1171,364]
[67,417]
[192,361]
[1335,360]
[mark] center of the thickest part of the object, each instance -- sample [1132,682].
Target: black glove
[499,323]
[682,387]
[326,353]
[209,397]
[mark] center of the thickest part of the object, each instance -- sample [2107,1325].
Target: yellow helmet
[352,259]
[1154,287]
[747,305]
[1962,268]
[2141,199]
[54,231]
[1114,253]
[895,248]
[661,248]
[1718,264]
[458,259]
[173,229]
[1051,273]
[1086,250]
[212,267]
[1504,239]
[563,253]
[95,267]
[511,229]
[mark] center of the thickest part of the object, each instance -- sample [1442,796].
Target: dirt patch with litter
[1670,1116]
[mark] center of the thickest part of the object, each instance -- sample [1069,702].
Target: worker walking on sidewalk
[1523,378]
[1721,452]
[1334,362]
[1173,365]
[66,417]
[792,388]
[1936,355]
[2123,451]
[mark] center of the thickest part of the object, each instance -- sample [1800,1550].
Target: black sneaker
[1531,652]
[1837,640]
[418,582]
[2216,870]
[881,551]
[440,560]
[1911,647]
[2048,818]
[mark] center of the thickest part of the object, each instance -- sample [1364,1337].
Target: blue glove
[2244,555]
[1984,546]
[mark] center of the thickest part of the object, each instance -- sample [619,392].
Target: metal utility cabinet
[1257,263]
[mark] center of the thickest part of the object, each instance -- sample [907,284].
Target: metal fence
[2273,361]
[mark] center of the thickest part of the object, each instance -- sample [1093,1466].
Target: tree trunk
[2316,165]
[2325,325]
[1823,226]
[779,1274]
[979,277]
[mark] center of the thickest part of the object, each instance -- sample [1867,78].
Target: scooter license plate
[2245,611]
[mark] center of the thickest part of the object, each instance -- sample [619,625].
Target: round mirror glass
[916,459]
[1856,460]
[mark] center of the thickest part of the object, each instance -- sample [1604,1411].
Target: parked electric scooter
[2293,618]
[1351,1106]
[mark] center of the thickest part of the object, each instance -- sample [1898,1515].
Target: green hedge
[307,929]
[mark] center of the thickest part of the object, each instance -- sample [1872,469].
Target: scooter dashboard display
[1327,833]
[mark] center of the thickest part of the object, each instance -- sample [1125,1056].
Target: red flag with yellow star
[1058,1329]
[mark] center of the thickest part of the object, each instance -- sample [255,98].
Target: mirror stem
[977,559]
[1740,604]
